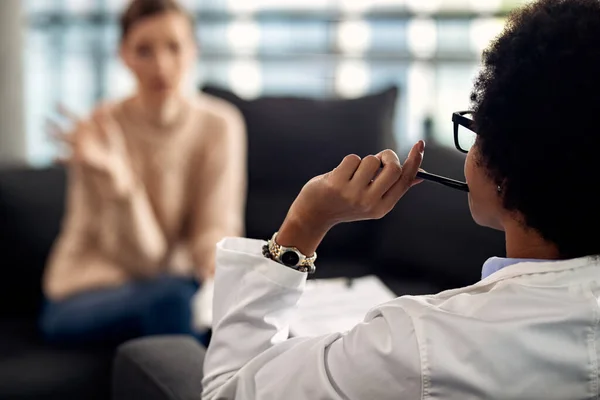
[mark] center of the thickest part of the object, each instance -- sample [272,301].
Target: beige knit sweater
[189,192]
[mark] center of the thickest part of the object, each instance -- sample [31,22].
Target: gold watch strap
[305,263]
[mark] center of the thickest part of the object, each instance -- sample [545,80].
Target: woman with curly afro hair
[530,329]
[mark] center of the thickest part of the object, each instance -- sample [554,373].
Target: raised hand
[95,144]
[356,190]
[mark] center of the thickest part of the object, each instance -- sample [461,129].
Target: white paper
[331,305]
[202,306]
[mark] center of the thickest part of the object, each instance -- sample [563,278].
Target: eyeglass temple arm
[459,117]
[443,181]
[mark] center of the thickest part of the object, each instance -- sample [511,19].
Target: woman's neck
[523,242]
[160,113]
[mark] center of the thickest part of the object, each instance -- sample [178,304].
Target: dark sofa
[31,206]
[428,243]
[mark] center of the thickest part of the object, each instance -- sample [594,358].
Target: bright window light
[419,98]
[243,6]
[388,3]
[352,79]
[485,6]
[422,37]
[243,36]
[424,6]
[483,31]
[119,81]
[355,6]
[354,37]
[80,71]
[297,4]
[189,4]
[39,5]
[245,78]
[79,6]
[256,5]
[454,5]
[116,5]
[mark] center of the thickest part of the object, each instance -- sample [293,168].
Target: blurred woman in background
[155,181]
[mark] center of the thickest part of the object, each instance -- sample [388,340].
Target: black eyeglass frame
[459,119]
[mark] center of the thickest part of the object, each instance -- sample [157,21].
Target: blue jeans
[112,316]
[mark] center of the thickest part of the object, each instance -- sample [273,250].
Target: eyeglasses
[464,133]
[464,139]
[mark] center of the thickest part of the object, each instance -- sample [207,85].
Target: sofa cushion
[31,208]
[30,369]
[159,368]
[292,140]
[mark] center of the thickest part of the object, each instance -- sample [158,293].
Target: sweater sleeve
[129,232]
[72,264]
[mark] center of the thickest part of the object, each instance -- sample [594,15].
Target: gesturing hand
[353,191]
[97,144]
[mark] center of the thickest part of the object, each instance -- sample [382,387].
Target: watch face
[290,258]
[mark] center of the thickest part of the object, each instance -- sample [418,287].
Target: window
[430,48]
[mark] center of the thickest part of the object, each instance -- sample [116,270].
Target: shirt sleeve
[251,357]
[220,188]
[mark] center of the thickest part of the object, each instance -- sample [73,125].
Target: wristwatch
[289,256]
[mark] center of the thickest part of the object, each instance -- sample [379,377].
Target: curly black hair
[536,109]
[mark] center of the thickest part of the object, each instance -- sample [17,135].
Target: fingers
[63,160]
[413,162]
[409,173]
[80,126]
[108,128]
[366,172]
[57,133]
[389,175]
[418,180]
[361,189]
[65,112]
[347,168]
[101,127]
[77,127]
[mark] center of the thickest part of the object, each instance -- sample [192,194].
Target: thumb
[63,160]
[409,173]
[418,180]
[413,162]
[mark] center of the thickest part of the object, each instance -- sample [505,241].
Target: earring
[499,189]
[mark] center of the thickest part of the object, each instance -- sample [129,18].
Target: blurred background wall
[12,111]
[322,48]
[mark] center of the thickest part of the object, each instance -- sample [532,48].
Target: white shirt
[528,331]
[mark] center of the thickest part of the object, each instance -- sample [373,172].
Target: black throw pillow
[291,140]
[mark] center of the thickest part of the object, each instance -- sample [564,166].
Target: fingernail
[421,146]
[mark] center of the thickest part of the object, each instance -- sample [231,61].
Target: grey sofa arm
[159,368]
